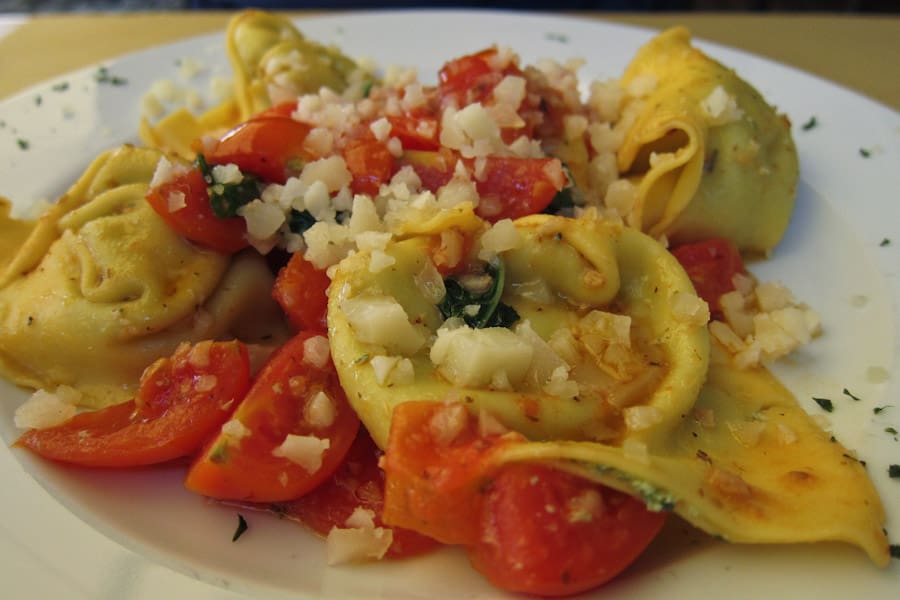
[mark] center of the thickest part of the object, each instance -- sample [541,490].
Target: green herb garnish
[865,153]
[300,220]
[846,392]
[481,307]
[241,528]
[813,122]
[104,76]
[23,144]
[60,87]
[563,202]
[880,409]
[885,242]
[826,404]
[895,551]
[890,430]
[894,471]
[226,198]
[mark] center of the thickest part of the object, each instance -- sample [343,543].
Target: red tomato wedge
[471,78]
[288,435]
[433,486]
[183,203]
[515,187]
[181,401]
[358,483]
[370,164]
[510,187]
[416,132]
[711,266]
[270,147]
[301,290]
[549,533]
[284,109]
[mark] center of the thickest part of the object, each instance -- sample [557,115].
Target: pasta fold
[102,287]
[709,156]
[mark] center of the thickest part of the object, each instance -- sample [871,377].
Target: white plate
[81,534]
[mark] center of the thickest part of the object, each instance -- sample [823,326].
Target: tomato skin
[516,187]
[416,132]
[270,147]
[358,483]
[470,78]
[196,220]
[180,403]
[510,187]
[549,533]
[284,109]
[245,468]
[432,487]
[301,290]
[711,265]
[370,164]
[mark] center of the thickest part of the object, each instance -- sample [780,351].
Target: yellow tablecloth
[858,52]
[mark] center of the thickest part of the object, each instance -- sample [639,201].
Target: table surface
[858,52]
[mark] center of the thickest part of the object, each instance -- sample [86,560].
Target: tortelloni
[610,345]
[608,373]
[273,62]
[709,156]
[102,287]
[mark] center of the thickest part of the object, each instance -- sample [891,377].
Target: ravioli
[747,464]
[709,156]
[571,282]
[273,62]
[666,417]
[102,287]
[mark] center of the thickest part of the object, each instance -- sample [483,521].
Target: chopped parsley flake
[885,242]
[846,392]
[890,430]
[880,409]
[241,528]
[813,122]
[895,550]
[104,76]
[826,404]
[60,87]
[38,100]
[226,198]
[894,471]
[865,153]
[23,144]
[557,37]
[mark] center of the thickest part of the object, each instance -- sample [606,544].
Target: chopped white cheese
[382,320]
[304,450]
[320,411]
[477,357]
[316,351]
[44,409]
[359,541]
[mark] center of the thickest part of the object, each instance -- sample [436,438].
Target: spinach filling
[475,298]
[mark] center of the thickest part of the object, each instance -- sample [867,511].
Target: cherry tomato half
[181,401]
[294,394]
